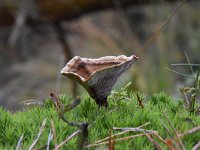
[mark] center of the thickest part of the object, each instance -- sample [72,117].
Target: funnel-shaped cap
[98,76]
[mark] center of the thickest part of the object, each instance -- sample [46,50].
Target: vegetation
[125,110]
[190,94]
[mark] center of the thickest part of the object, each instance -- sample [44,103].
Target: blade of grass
[183,64]
[186,55]
[185,75]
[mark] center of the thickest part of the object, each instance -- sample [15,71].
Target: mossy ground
[123,111]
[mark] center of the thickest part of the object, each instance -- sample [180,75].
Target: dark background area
[37,38]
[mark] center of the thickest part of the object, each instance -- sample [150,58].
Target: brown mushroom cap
[98,75]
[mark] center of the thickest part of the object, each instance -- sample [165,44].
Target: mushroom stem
[102,102]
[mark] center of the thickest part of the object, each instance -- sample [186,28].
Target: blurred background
[37,39]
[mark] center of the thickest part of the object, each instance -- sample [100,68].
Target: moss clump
[122,112]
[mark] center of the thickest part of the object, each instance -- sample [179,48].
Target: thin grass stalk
[155,34]
[188,60]
[185,75]
[183,64]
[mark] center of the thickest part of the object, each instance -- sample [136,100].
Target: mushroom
[99,75]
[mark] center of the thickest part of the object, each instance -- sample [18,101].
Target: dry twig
[154,142]
[195,129]
[197,146]
[134,129]
[176,133]
[39,134]
[19,143]
[67,139]
[116,140]
[172,138]
[163,141]
[111,144]
[140,101]
[117,134]
[83,127]
[54,133]
[49,140]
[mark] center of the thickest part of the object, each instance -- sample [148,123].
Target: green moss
[123,111]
